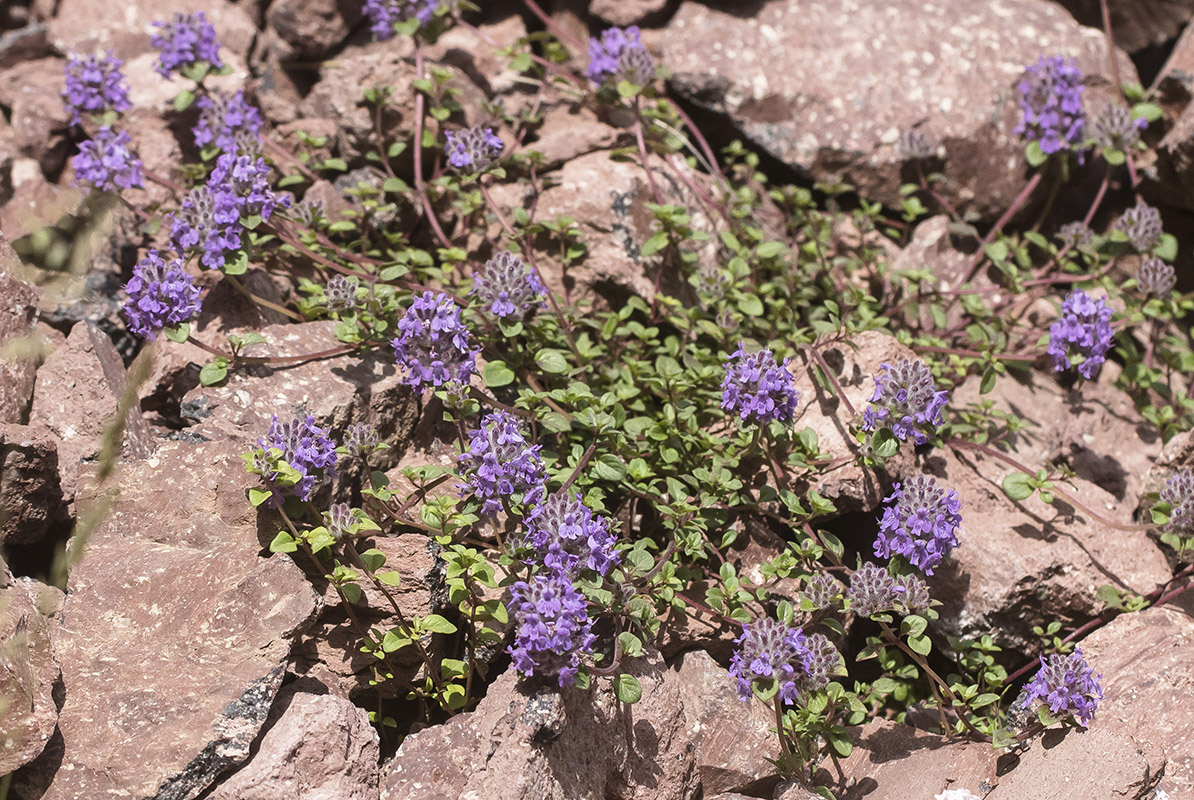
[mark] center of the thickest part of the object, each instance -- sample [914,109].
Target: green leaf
[259,496]
[1034,155]
[283,543]
[237,265]
[213,372]
[556,422]
[609,468]
[437,624]
[632,646]
[832,543]
[337,164]
[183,100]
[1018,485]
[496,374]
[1149,111]
[373,559]
[653,245]
[771,249]
[751,305]
[627,688]
[552,361]
[885,444]
[391,578]
[984,700]
[920,644]
[178,333]
[988,381]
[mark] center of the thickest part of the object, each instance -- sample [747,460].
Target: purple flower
[1082,334]
[94,85]
[161,295]
[508,288]
[306,448]
[768,650]
[341,293]
[757,388]
[619,54]
[339,520]
[194,229]
[361,439]
[906,400]
[920,523]
[1067,685]
[1075,235]
[1179,494]
[222,117]
[1156,278]
[1114,128]
[873,590]
[551,627]
[500,462]
[822,662]
[822,590]
[385,14]
[565,535]
[433,342]
[106,162]
[187,40]
[473,149]
[1051,112]
[1142,225]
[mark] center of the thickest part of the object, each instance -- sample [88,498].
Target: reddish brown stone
[29,675]
[18,318]
[30,490]
[311,30]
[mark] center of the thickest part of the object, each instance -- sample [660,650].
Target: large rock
[1094,764]
[1147,664]
[18,319]
[1137,24]
[544,744]
[175,632]
[39,117]
[831,99]
[321,748]
[311,30]
[627,12]
[30,489]
[29,676]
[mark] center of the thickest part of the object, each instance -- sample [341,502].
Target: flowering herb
[772,659]
[1141,224]
[473,150]
[823,591]
[552,628]
[222,117]
[501,463]
[341,293]
[1075,234]
[620,55]
[361,439]
[385,14]
[1067,685]
[433,343]
[94,85]
[1179,494]
[508,288]
[1114,127]
[1081,335]
[873,590]
[1156,277]
[920,523]
[1051,112]
[106,162]
[306,448]
[906,401]
[758,389]
[186,42]
[565,535]
[161,295]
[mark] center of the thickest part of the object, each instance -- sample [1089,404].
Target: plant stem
[420,185]
[1020,200]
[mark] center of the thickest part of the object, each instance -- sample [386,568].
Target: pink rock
[28,671]
[18,318]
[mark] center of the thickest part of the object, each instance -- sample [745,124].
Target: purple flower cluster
[1066,684]
[1051,112]
[306,448]
[769,650]
[385,14]
[94,85]
[507,287]
[341,293]
[209,221]
[473,149]
[433,342]
[1142,225]
[567,537]
[361,439]
[1075,234]
[873,590]
[920,523]
[185,41]
[822,590]
[757,388]
[1114,128]
[906,400]
[161,295]
[1179,494]
[1156,278]
[500,463]
[106,162]
[1083,331]
[619,54]
[552,627]
[222,117]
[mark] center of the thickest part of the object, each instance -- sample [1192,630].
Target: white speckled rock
[827,87]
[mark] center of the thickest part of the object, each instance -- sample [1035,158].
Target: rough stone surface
[29,675]
[542,744]
[850,486]
[733,739]
[309,29]
[1095,764]
[1138,24]
[30,489]
[321,748]
[38,117]
[831,99]
[175,632]
[18,319]
[477,53]
[627,12]
[1147,664]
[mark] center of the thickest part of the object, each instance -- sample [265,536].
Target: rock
[897,761]
[477,52]
[571,131]
[35,202]
[627,12]
[733,739]
[547,744]
[18,320]
[311,30]
[38,117]
[1175,82]
[1095,764]
[30,681]
[30,489]
[931,248]
[850,486]
[322,748]
[1175,162]
[788,77]
[1138,24]
[23,44]
[172,577]
[1147,663]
